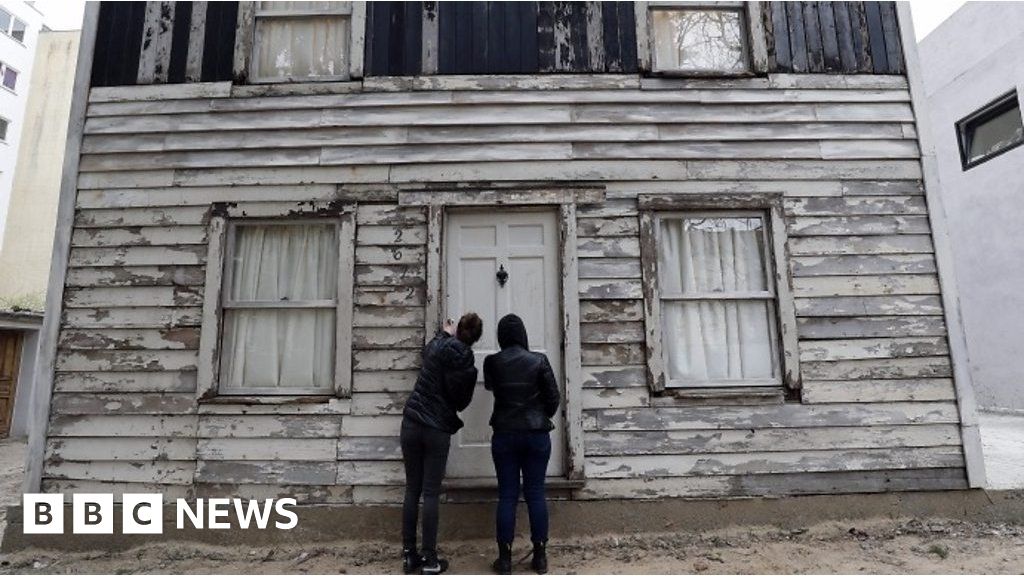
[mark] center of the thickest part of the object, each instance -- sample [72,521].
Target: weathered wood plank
[866,265]
[139,236]
[610,289]
[371,473]
[391,235]
[839,245]
[768,440]
[390,275]
[116,449]
[125,360]
[291,449]
[857,225]
[361,426]
[771,416]
[905,390]
[590,268]
[870,306]
[139,317]
[870,327]
[118,217]
[387,316]
[124,382]
[132,297]
[774,462]
[270,426]
[863,285]
[614,377]
[388,381]
[855,205]
[391,255]
[378,403]
[926,367]
[627,247]
[153,471]
[130,339]
[135,276]
[389,296]
[621,226]
[368,360]
[612,354]
[138,256]
[277,472]
[612,332]
[864,348]
[387,338]
[611,310]
[370,448]
[123,426]
[389,215]
[594,399]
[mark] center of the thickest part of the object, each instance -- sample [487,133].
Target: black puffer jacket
[526,394]
[445,384]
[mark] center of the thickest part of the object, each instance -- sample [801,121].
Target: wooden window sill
[732,396]
[245,399]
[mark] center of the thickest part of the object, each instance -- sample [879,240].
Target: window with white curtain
[301,41]
[717,299]
[279,301]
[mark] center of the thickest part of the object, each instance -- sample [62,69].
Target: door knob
[502,276]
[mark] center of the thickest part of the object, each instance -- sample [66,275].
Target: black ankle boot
[411,561]
[540,557]
[503,565]
[431,564]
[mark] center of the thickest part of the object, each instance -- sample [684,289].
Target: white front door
[478,246]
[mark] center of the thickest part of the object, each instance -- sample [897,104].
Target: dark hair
[470,328]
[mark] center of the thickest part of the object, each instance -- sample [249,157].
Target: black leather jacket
[444,386]
[526,394]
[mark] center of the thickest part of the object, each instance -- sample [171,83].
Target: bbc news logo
[144,513]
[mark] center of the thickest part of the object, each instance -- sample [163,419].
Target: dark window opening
[994,129]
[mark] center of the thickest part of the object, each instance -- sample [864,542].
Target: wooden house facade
[726,244]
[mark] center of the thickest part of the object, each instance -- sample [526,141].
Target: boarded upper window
[699,40]
[989,132]
[297,41]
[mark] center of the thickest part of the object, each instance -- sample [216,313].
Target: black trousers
[425,453]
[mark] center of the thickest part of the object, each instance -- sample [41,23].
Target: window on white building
[12,26]
[992,130]
[8,77]
[4,125]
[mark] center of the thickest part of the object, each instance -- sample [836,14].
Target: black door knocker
[502,276]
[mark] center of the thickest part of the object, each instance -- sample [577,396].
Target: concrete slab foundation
[568,519]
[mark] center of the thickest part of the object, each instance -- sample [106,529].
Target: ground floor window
[717,300]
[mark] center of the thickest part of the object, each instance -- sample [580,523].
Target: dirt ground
[880,547]
[876,547]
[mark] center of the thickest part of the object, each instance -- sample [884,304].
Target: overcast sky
[67,14]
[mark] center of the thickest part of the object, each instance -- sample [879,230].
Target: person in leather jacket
[443,388]
[526,398]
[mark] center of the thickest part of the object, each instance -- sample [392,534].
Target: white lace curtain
[716,337]
[291,46]
[290,348]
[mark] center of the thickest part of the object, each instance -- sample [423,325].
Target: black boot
[431,564]
[540,557]
[411,561]
[503,565]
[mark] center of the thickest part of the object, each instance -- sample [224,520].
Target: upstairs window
[8,77]
[699,40]
[4,125]
[991,131]
[12,26]
[302,41]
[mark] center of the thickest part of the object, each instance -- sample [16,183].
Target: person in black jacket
[444,387]
[526,397]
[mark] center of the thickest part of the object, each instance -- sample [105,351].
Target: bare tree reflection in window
[701,40]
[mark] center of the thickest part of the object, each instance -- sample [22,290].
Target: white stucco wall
[971,59]
[20,56]
[32,210]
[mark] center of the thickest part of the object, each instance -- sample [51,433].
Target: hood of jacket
[512,332]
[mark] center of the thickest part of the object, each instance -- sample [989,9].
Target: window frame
[653,208]
[245,45]
[986,112]
[4,66]
[7,123]
[9,31]
[754,39]
[225,221]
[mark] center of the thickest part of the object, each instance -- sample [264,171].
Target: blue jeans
[521,455]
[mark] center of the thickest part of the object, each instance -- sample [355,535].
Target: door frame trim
[569,285]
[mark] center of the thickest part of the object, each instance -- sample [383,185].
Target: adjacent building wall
[968,61]
[20,56]
[32,213]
